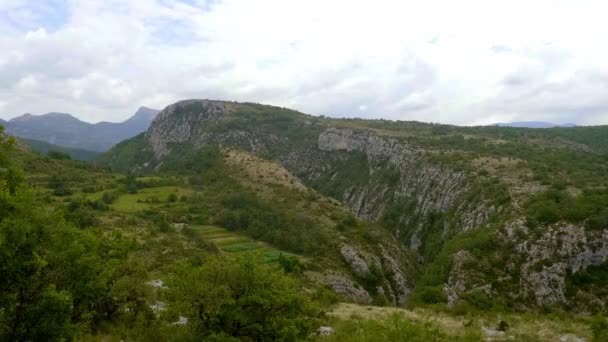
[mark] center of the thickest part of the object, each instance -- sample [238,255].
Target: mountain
[497,216]
[533,124]
[63,129]
[389,230]
[74,153]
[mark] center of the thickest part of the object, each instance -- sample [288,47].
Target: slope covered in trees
[437,218]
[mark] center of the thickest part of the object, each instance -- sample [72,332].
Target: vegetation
[66,276]
[59,151]
[83,249]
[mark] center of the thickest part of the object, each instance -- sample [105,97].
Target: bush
[599,328]
[109,197]
[242,297]
[395,328]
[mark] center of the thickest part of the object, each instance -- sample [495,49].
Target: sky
[464,62]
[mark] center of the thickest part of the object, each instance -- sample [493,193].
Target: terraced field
[231,242]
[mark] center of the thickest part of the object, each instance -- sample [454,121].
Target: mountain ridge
[534,124]
[65,130]
[454,196]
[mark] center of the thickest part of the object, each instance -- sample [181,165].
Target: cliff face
[383,177]
[539,268]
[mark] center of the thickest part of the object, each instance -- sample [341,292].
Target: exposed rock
[156,283]
[181,321]
[343,285]
[158,307]
[356,262]
[562,249]
[325,331]
[571,338]
[458,279]
[400,285]
[493,334]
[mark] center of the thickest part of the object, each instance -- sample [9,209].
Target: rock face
[399,173]
[536,268]
[343,285]
[561,250]
[386,265]
[185,121]
[356,262]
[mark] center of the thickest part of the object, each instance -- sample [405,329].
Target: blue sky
[465,62]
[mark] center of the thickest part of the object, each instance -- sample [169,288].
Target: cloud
[471,62]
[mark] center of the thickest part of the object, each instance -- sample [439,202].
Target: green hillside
[46,148]
[229,221]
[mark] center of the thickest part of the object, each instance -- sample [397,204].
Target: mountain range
[65,130]
[220,202]
[533,124]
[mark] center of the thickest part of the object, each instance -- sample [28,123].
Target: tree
[54,275]
[242,297]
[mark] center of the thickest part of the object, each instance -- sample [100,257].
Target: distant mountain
[63,129]
[533,124]
[44,148]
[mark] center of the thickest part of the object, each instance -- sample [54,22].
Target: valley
[400,230]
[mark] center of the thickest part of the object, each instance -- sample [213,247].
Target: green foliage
[599,328]
[482,245]
[125,155]
[554,205]
[244,211]
[58,155]
[192,160]
[289,264]
[242,298]
[391,329]
[56,279]
[352,170]
[109,197]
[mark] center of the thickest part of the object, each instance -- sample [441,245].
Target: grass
[130,203]
[522,326]
[231,242]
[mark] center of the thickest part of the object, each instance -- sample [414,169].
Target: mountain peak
[52,115]
[143,114]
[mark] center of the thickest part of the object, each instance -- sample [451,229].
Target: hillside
[74,153]
[223,209]
[64,130]
[498,217]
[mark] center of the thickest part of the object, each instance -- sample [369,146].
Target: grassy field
[231,242]
[145,198]
[520,327]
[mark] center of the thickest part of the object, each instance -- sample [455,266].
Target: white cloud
[461,62]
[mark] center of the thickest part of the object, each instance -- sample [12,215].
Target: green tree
[242,297]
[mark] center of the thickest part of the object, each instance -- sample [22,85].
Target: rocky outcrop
[343,285]
[387,265]
[537,266]
[562,249]
[182,122]
[399,173]
[433,187]
[457,281]
[399,282]
[354,260]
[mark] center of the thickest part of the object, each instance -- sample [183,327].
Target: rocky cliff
[440,202]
